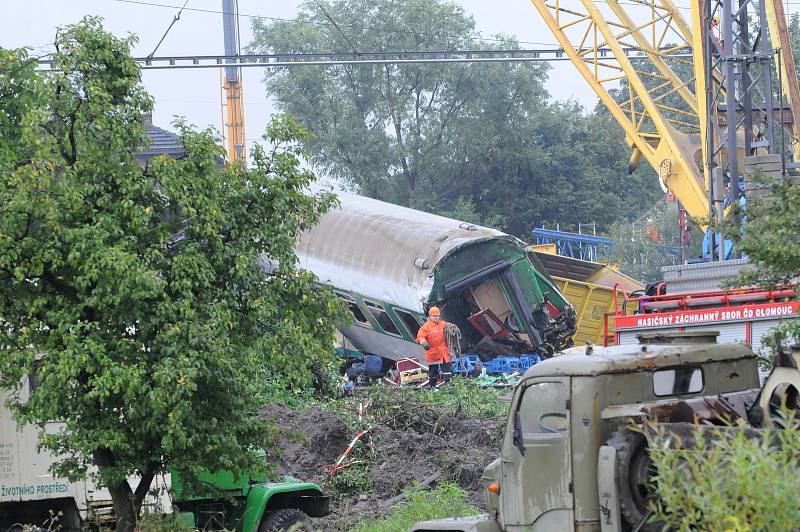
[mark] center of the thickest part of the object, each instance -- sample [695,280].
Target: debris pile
[416,436]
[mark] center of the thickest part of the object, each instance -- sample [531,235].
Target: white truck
[31,495]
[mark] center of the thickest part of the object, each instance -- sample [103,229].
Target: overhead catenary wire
[175,19]
[313,23]
[363,58]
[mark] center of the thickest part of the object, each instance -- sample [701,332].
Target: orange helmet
[434,311]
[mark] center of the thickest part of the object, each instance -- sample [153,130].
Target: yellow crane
[677,103]
[598,44]
[776,19]
[233,112]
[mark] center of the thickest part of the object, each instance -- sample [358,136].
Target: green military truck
[250,503]
[570,461]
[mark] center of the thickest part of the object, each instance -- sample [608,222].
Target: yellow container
[589,287]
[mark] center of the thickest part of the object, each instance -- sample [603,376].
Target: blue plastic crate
[511,363]
[501,364]
[465,364]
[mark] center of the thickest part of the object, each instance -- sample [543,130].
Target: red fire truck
[742,315]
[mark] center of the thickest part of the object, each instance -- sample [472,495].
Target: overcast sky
[196,94]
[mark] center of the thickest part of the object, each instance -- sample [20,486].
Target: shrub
[728,479]
[447,500]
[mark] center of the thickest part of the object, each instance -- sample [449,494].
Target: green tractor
[249,503]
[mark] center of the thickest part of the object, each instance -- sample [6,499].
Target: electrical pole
[232,84]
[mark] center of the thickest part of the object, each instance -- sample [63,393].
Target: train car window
[383,318]
[34,379]
[354,309]
[409,321]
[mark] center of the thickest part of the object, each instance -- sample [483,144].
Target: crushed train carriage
[389,264]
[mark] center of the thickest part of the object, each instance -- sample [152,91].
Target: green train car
[389,264]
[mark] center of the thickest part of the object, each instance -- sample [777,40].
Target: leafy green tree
[642,247]
[769,238]
[481,141]
[133,296]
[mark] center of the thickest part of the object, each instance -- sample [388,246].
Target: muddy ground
[412,442]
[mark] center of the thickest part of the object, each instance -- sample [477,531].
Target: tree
[133,296]
[794,39]
[479,141]
[642,247]
[768,237]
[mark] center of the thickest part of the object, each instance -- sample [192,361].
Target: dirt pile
[307,440]
[413,442]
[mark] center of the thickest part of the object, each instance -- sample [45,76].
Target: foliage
[446,500]
[459,397]
[162,523]
[133,297]
[642,247]
[479,142]
[769,239]
[275,384]
[355,479]
[402,409]
[728,481]
[794,38]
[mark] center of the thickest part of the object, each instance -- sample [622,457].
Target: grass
[459,397]
[162,523]
[447,500]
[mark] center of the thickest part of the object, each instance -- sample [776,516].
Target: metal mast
[738,84]
[232,84]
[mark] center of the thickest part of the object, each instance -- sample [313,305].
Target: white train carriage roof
[384,251]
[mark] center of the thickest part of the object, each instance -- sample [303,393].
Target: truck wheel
[286,519]
[634,477]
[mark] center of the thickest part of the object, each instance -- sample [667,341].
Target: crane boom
[666,134]
[776,20]
[690,120]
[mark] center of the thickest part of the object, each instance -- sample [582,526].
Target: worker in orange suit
[431,337]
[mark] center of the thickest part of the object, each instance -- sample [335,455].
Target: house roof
[162,142]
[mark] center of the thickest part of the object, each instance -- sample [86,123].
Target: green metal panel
[534,284]
[220,481]
[258,499]
[390,309]
[469,259]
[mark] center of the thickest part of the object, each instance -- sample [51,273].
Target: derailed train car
[389,264]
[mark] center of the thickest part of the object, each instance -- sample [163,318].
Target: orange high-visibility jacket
[433,334]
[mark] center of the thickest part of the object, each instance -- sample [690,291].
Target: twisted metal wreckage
[389,264]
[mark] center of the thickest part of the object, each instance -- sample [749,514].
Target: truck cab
[571,458]
[248,502]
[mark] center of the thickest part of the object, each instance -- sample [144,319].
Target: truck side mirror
[517,434]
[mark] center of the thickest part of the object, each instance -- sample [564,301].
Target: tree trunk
[408,174]
[121,494]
